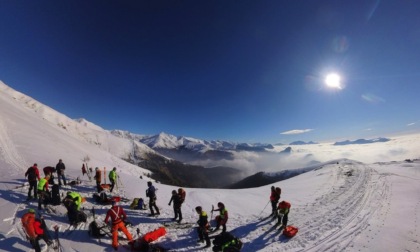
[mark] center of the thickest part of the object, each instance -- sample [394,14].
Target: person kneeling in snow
[118,217]
[222,218]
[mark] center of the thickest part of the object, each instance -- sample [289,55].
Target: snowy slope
[343,205]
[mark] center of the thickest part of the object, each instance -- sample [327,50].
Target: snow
[361,198]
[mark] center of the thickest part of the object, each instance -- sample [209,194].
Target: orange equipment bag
[290,231]
[154,235]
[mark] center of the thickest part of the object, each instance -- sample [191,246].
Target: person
[222,218]
[34,230]
[112,178]
[274,199]
[84,171]
[98,179]
[44,196]
[151,194]
[49,170]
[203,226]
[283,213]
[76,197]
[118,217]
[60,167]
[33,177]
[72,203]
[177,206]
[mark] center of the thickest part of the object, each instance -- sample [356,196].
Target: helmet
[198,209]
[96,168]
[35,164]
[149,183]
[115,168]
[31,210]
[173,192]
[220,204]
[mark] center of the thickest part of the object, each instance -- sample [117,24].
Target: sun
[333,80]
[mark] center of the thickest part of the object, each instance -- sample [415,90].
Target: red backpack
[284,205]
[154,235]
[290,231]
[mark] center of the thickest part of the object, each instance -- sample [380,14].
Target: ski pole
[264,208]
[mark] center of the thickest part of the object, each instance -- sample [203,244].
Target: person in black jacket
[33,177]
[177,205]
[151,194]
[60,167]
[203,226]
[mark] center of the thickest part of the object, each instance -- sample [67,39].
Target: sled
[290,231]
[105,186]
[154,235]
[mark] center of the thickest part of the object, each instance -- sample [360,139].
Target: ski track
[356,199]
[8,151]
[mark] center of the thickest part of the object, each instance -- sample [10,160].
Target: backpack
[31,174]
[284,205]
[182,194]
[55,197]
[94,230]
[135,203]
[227,242]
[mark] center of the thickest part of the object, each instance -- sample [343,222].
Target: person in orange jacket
[117,216]
[34,230]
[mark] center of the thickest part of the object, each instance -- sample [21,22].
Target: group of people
[117,215]
[40,186]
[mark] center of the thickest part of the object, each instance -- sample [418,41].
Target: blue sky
[246,71]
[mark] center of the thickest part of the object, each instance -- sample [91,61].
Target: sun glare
[333,80]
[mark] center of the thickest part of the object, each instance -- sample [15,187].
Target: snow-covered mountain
[338,205]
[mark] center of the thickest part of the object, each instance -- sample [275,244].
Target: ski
[176,225]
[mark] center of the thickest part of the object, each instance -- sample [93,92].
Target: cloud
[295,132]
[411,124]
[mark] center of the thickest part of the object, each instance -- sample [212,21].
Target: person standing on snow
[34,230]
[118,218]
[33,177]
[112,178]
[222,218]
[203,226]
[274,199]
[98,179]
[283,214]
[177,205]
[60,167]
[49,170]
[44,196]
[151,194]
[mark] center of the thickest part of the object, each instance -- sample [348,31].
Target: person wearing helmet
[203,226]
[222,218]
[34,230]
[118,218]
[151,194]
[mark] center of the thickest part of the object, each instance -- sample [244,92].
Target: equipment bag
[226,242]
[55,197]
[95,230]
[290,231]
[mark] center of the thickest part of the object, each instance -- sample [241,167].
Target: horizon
[251,72]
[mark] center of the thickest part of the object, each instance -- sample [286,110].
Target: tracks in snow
[357,192]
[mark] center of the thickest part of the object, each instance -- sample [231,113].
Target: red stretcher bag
[290,231]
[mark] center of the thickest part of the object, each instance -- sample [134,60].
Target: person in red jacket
[33,176]
[34,230]
[274,199]
[118,216]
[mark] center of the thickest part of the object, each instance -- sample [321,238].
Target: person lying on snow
[34,230]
